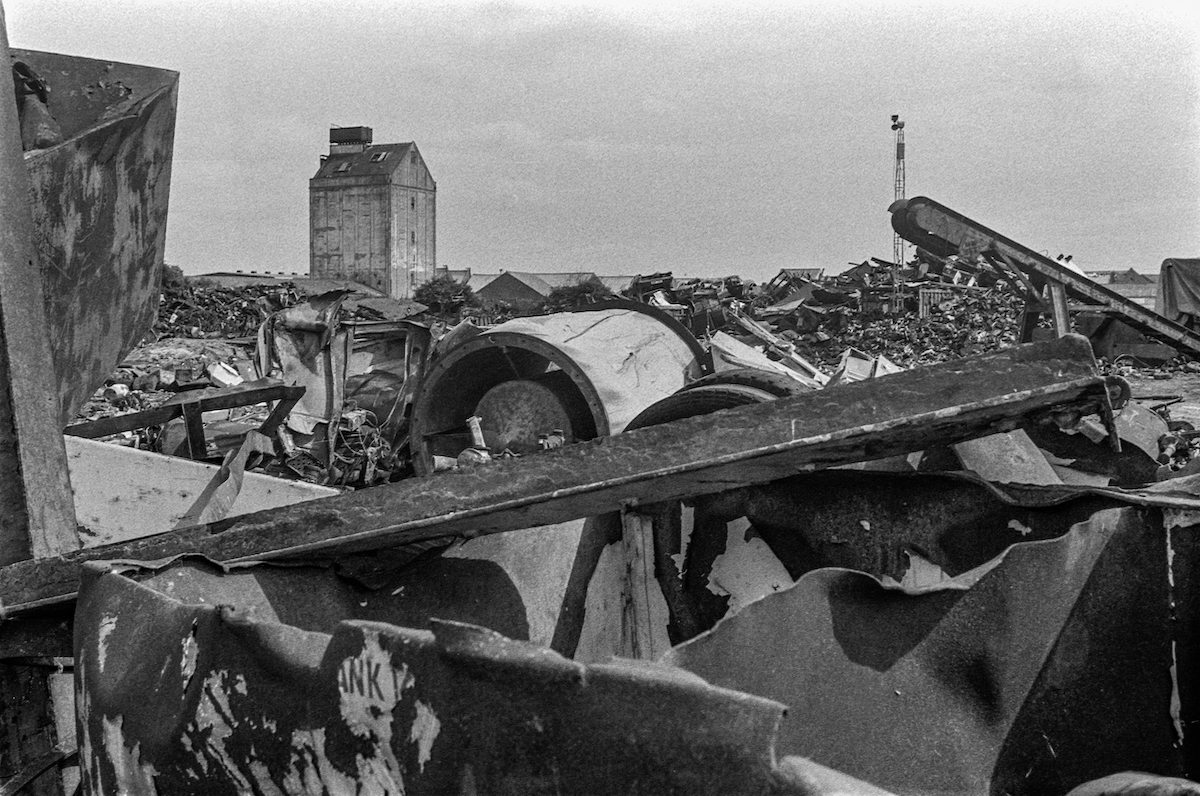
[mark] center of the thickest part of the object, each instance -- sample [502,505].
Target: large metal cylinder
[581,374]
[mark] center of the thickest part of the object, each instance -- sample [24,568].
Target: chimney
[349,140]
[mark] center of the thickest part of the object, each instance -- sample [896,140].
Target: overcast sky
[703,139]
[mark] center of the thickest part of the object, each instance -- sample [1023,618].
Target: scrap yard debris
[892,530]
[803,323]
[206,310]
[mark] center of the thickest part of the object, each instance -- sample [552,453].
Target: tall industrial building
[372,214]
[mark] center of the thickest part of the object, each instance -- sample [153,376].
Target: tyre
[777,384]
[699,399]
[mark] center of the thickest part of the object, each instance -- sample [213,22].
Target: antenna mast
[898,242]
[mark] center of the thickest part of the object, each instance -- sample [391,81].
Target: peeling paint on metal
[187,661]
[1020,527]
[369,688]
[1180,518]
[214,723]
[134,778]
[687,520]
[107,626]
[262,779]
[1176,699]
[425,729]
[748,570]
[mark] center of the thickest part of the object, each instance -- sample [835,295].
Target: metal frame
[1047,284]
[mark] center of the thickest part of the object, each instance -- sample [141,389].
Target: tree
[444,295]
[570,297]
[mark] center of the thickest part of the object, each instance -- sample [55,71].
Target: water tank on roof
[350,135]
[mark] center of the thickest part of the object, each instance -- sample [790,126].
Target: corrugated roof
[379,159]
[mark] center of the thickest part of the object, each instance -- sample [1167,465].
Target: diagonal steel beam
[862,421]
[943,231]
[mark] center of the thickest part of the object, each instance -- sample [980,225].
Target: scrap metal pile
[935,319]
[189,310]
[707,565]
[798,632]
[933,316]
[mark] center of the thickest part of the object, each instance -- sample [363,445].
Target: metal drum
[551,379]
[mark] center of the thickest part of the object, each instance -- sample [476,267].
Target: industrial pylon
[897,241]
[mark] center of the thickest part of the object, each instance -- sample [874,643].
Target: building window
[412,237]
[344,166]
[412,202]
[413,158]
[379,157]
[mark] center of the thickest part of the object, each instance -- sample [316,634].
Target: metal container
[100,210]
[584,374]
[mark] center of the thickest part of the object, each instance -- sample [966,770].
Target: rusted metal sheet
[243,704]
[584,373]
[1032,673]
[717,553]
[867,420]
[944,232]
[100,211]
[1139,429]
[290,602]
[36,517]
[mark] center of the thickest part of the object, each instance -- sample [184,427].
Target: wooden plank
[229,398]
[36,515]
[778,345]
[863,421]
[644,613]
[193,420]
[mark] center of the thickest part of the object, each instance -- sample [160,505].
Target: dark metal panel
[100,208]
[1040,670]
[253,706]
[866,420]
[37,517]
[1184,558]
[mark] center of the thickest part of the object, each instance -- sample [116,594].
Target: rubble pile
[936,314]
[210,311]
[933,315]
[971,322]
[155,372]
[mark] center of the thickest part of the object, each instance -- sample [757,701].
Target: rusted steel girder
[943,232]
[866,420]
